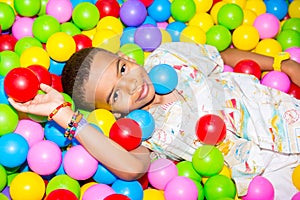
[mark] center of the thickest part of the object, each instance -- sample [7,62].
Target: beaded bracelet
[65,104]
[72,126]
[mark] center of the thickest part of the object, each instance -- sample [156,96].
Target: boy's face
[118,84]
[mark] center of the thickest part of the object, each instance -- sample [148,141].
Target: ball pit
[42,35]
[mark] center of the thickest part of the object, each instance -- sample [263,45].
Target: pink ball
[97,192]
[294,53]
[44,157]
[79,164]
[267,25]
[260,188]
[160,172]
[32,131]
[296,196]
[227,68]
[181,187]
[60,9]
[278,80]
[22,27]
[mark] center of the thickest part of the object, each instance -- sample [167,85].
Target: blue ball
[279,8]
[55,133]
[13,150]
[3,95]
[150,20]
[61,169]
[56,67]
[132,189]
[103,175]
[175,29]
[145,120]
[160,10]
[127,35]
[164,78]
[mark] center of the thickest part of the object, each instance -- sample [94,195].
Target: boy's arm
[232,56]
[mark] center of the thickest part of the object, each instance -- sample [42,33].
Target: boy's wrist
[63,116]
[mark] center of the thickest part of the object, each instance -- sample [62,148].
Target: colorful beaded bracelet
[65,104]
[72,126]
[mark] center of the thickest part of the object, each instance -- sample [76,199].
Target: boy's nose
[129,84]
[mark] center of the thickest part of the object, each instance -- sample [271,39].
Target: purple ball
[133,13]
[148,37]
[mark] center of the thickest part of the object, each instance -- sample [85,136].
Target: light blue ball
[3,95]
[160,10]
[127,35]
[55,133]
[132,189]
[164,78]
[103,175]
[175,29]
[279,8]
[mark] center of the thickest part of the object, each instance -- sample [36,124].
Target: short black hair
[76,73]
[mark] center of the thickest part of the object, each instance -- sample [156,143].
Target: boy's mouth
[143,91]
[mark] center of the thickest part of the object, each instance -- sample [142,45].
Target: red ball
[127,133]
[82,41]
[117,197]
[248,67]
[56,82]
[108,8]
[144,181]
[7,42]
[42,74]
[147,3]
[61,194]
[210,129]
[294,90]
[21,84]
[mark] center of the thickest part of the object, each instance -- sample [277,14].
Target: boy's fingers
[46,88]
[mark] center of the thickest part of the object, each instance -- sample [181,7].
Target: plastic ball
[70,28]
[7,16]
[175,29]
[151,193]
[55,133]
[21,84]
[42,74]
[3,178]
[60,46]
[288,38]
[133,51]
[27,185]
[277,80]
[35,55]
[268,47]
[259,188]
[56,82]
[249,17]
[165,37]
[108,8]
[133,13]
[127,133]
[85,15]
[8,119]
[127,35]
[279,8]
[82,41]
[26,42]
[183,10]
[61,194]
[160,172]
[296,176]
[22,27]
[185,168]
[60,9]
[294,9]
[292,23]
[160,11]
[44,26]
[148,37]
[245,37]
[218,187]
[267,25]
[208,160]
[9,61]
[294,53]
[164,78]
[294,91]
[98,191]
[203,5]
[215,10]
[180,187]
[218,36]
[86,165]
[13,150]
[107,39]
[296,196]
[227,68]
[117,197]
[193,34]
[248,67]
[63,182]
[103,175]
[7,42]
[257,6]
[230,15]
[210,129]
[147,3]
[111,23]
[85,186]
[203,20]
[28,8]
[131,189]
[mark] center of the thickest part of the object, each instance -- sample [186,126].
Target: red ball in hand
[210,129]
[248,67]
[127,133]
[21,84]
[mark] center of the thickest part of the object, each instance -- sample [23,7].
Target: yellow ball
[203,20]
[146,54]
[241,3]
[249,17]
[225,171]
[165,36]
[102,118]
[203,5]
[107,39]
[90,33]
[111,23]
[84,187]
[151,194]
[268,47]
[193,34]
[257,6]
[27,186]
[296,177]
[245,37]
[215,9]
[60,46]
[294,9]
[35,56]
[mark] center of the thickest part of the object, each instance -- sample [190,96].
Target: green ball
[69,99]
[9,119]
[63,181]
[70,28]
[9,61]
[200,190]
[11,170]
[3,178]
[218,36]
[7,16]
[85,15]
[3,197]
[230,15]
[133,51]
[208,160]
[185,168]
[292,23]
[288,38]
[44,26]
[26,42]
[43,7]
[27,8]
[219,187]
[183,10]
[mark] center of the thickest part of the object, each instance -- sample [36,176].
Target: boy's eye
[115,96]
[123,69]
